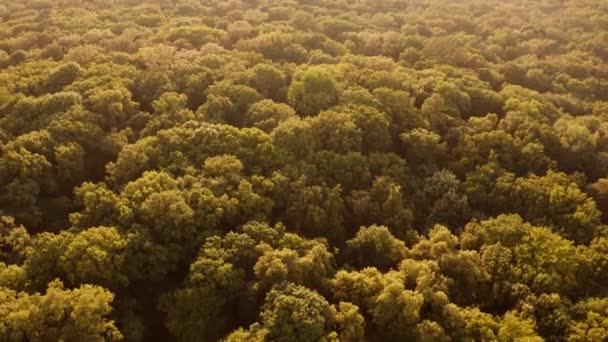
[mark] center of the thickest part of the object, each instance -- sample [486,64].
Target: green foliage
[210,284]
[293,312]
[59,314]
[315,90]
[375,246]
[374,170]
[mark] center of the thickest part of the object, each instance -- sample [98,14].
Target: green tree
[59,314]
[192,309]
[315,90]
[267,115]
[375,246]
[293,312]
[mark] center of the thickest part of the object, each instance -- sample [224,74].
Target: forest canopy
[304,170]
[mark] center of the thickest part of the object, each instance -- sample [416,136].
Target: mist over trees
[304,170]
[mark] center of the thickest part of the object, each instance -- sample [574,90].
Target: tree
[374,126]
[351,171]
[399,105]
[591,321]
[63,76]
[383,203]
[293,312]
[228,103]
[59,314]
[276,46]
[54,51]
[18,57]
[311,268]
[315,90]
[169,111]
[149,85]
[350,322]
[267,115]
[382,170]
[192,310]
[538,258]
[442,201]
[197,86]
[95,256]
[195,36]
[424,149]
[336,131]
[114,107]
[295,136]
[315,210]
[269,81]
[595,254]
[375,246]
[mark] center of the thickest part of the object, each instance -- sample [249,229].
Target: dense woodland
[304,170]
